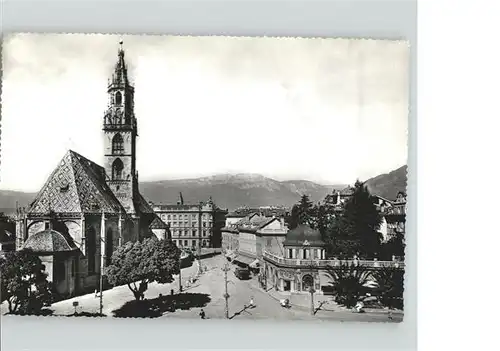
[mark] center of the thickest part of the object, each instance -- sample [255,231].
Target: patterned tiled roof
[49,241]
[77,185]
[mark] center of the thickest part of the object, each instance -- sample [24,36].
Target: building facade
[84,211]
[301,267]
[395,216]
[245,240]
[193,225]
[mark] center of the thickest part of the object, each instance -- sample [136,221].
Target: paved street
[208,293]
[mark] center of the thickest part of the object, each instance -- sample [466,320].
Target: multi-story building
[299,263]
[244,241]
[265,211]
[395,216]
[193,225]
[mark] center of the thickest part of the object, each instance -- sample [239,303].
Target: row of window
[180,216]
[306,254]
[188,233]
[186,224]
[185,243]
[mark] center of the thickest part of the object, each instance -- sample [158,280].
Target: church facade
[85,211]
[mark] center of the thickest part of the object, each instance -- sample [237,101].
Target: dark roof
[49,241]
[303,234]
[158,224]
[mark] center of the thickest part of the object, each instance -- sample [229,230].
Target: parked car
[242,273]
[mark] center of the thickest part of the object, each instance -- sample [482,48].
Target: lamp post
[180,269]
[312,291]
[103,242]
[226,295]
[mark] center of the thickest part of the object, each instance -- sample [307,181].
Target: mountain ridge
[233,190]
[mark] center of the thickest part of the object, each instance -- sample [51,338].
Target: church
[85,211]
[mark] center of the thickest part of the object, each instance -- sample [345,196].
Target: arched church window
[117,169]
[117,144]
[118,98]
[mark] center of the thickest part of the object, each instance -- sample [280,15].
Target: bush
[349,283]
[390,287]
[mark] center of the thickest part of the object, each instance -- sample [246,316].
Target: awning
[254,264]
[243,259]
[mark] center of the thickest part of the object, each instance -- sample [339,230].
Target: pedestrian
[202,314]
[251,302]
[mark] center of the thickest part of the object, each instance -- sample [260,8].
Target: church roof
[158,224]
[49,241]
[303,235]
[77,185]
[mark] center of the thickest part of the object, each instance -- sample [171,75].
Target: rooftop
[49,241]
[303,235]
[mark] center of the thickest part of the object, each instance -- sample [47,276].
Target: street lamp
[225,269]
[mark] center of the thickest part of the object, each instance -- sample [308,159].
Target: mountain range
[235,190]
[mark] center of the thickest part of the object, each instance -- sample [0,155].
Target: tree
[349,282]
[24,282]
[143,262]
[395,246]
[358,226]
[302,213]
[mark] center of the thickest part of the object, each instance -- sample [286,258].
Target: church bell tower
[120,135]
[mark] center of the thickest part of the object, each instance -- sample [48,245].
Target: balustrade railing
[333,263]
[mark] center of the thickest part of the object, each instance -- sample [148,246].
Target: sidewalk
[321,302]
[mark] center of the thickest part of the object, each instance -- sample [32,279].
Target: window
[175,217]
[185,216]
[290,253]
[168,217]
[193,243]
[204,233]
[118,98]
[117,170]
[117,144]
[185,243]
[73,268]
[194,232]
[91,250]
[204,224]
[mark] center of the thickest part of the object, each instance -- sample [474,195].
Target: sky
[326,110]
